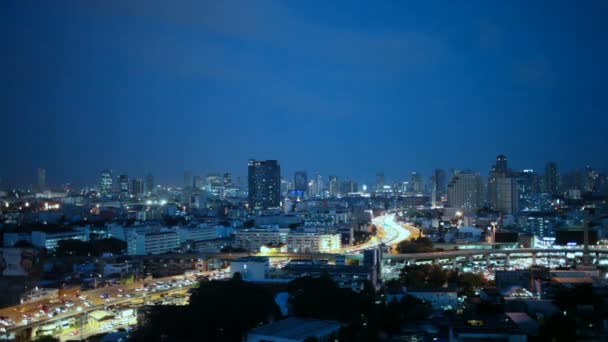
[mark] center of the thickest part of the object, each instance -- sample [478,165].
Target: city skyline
[447,85]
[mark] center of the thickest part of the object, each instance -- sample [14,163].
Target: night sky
[340,87]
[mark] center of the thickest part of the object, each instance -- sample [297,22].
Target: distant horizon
[177,179]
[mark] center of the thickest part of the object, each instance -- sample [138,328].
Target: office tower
[527,187]
[466,190]
[137,186]
[188,180]
[105,182]
[123,185]
[285,187]
[149,184]
[300,183]
[439,182]
[264,184]
[551,179]
[333,186]
[198,182]
[379,181]
[319,185]
[215,185]
[348,186]
[312,188]
[502,187]
[227,180]
[416,183]
[41,179]
[501,164]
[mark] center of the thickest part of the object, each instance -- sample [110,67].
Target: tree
[46,338]
[218,311]
[424,276]
[468,282]
[419,245]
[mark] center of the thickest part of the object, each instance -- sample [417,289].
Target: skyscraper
[149,184]
[227,180]
[188,179]
[380,181]
[416,183]
[41,179]
[502,187]
[466,190]
[105,182]
[551,179]
[333,186]
[300,183]
[264,184]
[439,178]
[137,186]
[319,185]
[123,185]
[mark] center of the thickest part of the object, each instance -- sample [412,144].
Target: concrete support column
[508,259]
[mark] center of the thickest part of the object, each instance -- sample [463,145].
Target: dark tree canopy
[218,311]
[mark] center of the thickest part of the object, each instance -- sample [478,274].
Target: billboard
[17,261]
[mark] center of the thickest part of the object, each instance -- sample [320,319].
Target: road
[390,233]
[393,231]
[31,314]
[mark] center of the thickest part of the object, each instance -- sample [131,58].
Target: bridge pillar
[507,259]
[435,261]
[533,258]
[454,262]
[488,260]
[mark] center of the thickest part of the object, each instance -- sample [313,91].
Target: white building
[153,242]
[251,268]
[50,240]
[297,242]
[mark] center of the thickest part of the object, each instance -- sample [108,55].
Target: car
[75,333]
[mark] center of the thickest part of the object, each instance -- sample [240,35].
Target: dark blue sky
[340,87]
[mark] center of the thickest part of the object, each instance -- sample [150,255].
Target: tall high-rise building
[300,183]
[227,180]
[465,190]
[501,164]
[380,181]
[502,187]
[333,186]
[137,186]
[149,184]
[416,183]
[188,179]
[123,185]
[527,188]
[551,179]
[41,179]
[319,189]
[439,184]
[105,182]
[264,184]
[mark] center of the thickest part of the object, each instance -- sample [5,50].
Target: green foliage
[218,311]
[419,245]
[424,276]
[46,338]
[468,282]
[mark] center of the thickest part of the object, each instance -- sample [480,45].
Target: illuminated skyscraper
[300,183]
[551,179]
[137,187]
[105,182]
[502,187]
[466,190]
[123,185]
[264,184]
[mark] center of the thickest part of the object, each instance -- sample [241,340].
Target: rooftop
[297,329]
